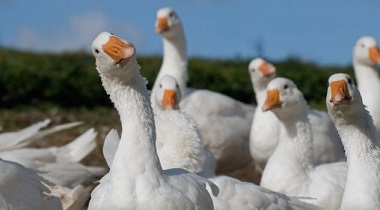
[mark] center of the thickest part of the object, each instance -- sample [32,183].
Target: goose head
[261,72]
[112,54]
[366,51]
[342,95]
[168,95]
[284,99]
[167,22]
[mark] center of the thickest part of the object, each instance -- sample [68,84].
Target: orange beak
[162,25]
[272,101]
[267,69]
[119,51]
[374,54]
[339,92]
[169,100]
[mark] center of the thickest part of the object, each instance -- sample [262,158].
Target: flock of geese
[175,140]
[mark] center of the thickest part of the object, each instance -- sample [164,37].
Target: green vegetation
[70,80]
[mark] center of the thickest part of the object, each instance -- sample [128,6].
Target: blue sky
[323,31]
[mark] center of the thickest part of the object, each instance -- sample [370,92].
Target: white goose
[136,179]
[179,142]
[290,169]
[366,56]
[360,140]
[224,122]
[265,128]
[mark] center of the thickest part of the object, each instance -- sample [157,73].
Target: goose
[366,56]
[224,122]
[361,143]
[176,130]
[136,179]
[61,164]
[265,127]
[233,194]
[290,169]
[23,188]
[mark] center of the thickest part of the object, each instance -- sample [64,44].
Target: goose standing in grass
[290,169]
[366,56]
[136,179]
[224,122]
[265,128]
[360,140]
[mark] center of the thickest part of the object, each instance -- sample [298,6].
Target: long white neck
[366,75]
[175,59]
[362,146]
[291,162]
[136,156]
[260,91]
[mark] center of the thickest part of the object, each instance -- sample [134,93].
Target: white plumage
[60,165]
[136,179]
[290,169]
[265,128]
[366,56]
[23,188]
[223,121]
[360,140]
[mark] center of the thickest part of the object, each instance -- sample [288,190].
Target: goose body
[223,121]
[366,56]
[265,128]
[290,169]
[136,179]
[361,143]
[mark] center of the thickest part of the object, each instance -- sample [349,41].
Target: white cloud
[78,34]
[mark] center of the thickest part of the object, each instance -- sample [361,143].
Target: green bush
[71,80]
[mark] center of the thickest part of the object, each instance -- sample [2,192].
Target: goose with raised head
[290,169]
[223,121]
[360,140]
[136,179]
[265,128]
[366,56]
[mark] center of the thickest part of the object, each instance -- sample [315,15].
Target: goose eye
[171,14]
[285,86]
[96,51]
[160,85]
[362,45]
[349,81]
[252,70]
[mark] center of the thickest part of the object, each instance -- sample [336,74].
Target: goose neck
[136,155]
